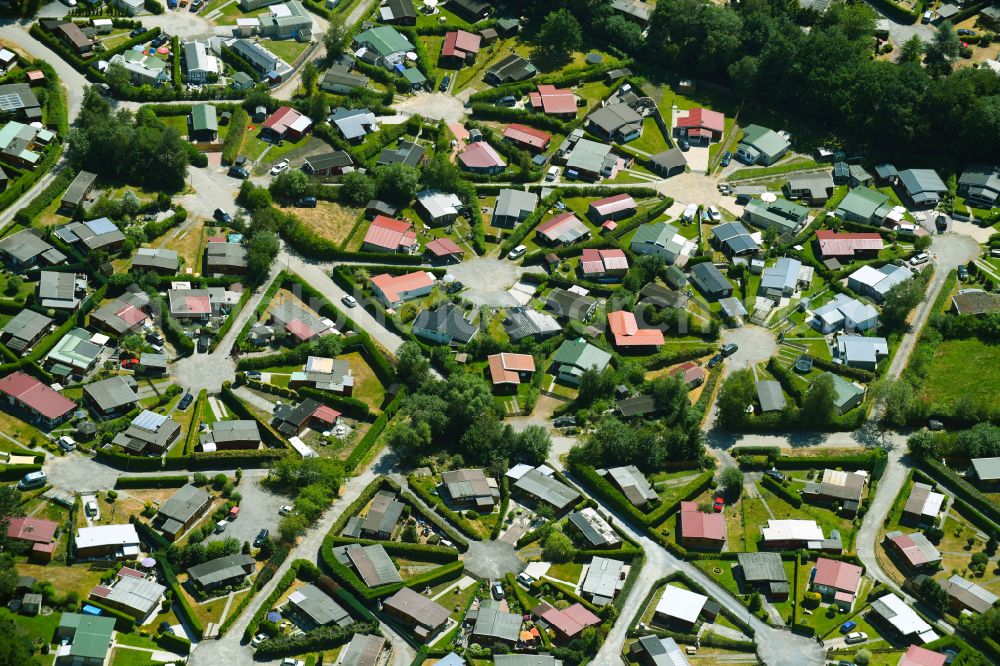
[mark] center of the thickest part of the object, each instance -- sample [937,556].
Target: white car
[285,510]
[292,662]
[257,640]
[921,258]
[279,167]
[553,172]
[349,301]
[856,637]
[713,214]
[517,252]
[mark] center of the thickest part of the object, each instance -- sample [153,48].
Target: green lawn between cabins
[957,360]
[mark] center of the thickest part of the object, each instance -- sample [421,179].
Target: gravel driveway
[258,509]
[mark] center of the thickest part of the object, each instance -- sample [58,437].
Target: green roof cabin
[574,357]
[88,636]
[848,394]
[204,123]
[864,205]
[761,145]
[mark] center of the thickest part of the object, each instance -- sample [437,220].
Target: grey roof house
[862,352]
[229,435]
[317,608]
[25,248]
[512,207]
[632,483]
[923,187]
[445,325]
[545,488]
[62,291]
[25,329]
[596,530]
[382,516]
[770,396]
[222,571]
[522,322]
[734,240]
[112,396]
[710,280]
[511,69]
[764,572]
[148,433]
[979,184]
[181,510]
[761,145]
[569,304]
[371,562]
[157,260]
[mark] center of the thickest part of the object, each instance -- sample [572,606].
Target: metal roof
[184,504]
[24,327]
[594,528]
[987,469]
[320,608]
[633,483]
[383,514]
[604,577]
[762,567]
[547,489]
[770,396]
[373,564]
[111,393]
[491,622]
[363,650]
[681,603]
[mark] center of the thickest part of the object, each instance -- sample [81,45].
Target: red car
[719,503]
[130,363]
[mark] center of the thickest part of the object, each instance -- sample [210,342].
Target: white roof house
[844,312]
[604,579]
[876,282]
[109,535]
[792,530]
[439,204]
[860,352]
[682,604]
[903,618]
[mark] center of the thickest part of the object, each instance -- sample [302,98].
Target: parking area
[258,509]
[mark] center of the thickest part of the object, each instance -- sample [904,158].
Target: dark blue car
[727,157]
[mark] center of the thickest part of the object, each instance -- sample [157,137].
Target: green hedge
[321,638]
[412,551]
[364,447]
[51,192]
[170,578]
[234,138]
[279,589]
[504,504]
[439,506]
[782,492]
[173,643]
[967,496]
[175,481]
[15,472]
[124,622]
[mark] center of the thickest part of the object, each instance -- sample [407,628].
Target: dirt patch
[187,242]
[329,220]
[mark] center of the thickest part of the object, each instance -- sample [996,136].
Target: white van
[553,172]
[690,212]
[32,480]
[517,252]
[220,527]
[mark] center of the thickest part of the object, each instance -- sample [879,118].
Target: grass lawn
[232,12]
[963,358]
[288,50]
[40,627]
[123,656]
[18,429]
[329,220]
[367,387]
[254,147]
[569,572]
[652,140]
[483,525]
[136,640]
[743,522]
[78,578]
[188,243]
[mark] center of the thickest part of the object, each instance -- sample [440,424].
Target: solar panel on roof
[149,420]
[10,102]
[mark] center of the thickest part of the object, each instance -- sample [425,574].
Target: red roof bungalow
[32,530]
[690,373]
[603,263]
[832,244]
[389,235]
[44,405]
[702,126]
[553,101]
[510,369]
[616,207]
[918,656]
[837,581]
[444,249]
[528,137]
[393,290]
[325,417]
[699,529]
[481,157]
[460,46]
[913,551]
[567,623]
[626,332]
[286,123]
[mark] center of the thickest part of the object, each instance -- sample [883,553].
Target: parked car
[714,361]
[727,157]
[935,425]
[848,626]
[306,202]
[965,32]
[257,640]
[775,474]
[91,508]
[497,591]
[942,223]
[260,538]
[507,100]
[154,338]
[685,146]
[285,510]
[926,18]
[165,628]
[963,273]
[349,301]
[719,504]
[444,83]
[517,252]
[238,172]
[136,32]
[159,41]
[730,348]
[288,661]
[67,444]
[525,579]
[234,513]
[713,214]
[279,168]
[253,374]
[185,402]
[220,526]
[222,216]
[856,637]
[32,480]
[919,259]
[552,173]
[564,422]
